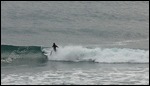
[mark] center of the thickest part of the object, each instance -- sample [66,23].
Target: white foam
[99,76]
[106,55]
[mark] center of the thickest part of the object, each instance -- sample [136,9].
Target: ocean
[99,42]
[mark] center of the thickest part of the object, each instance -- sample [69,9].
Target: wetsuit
[54,46]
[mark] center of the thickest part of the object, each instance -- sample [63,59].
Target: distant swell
[36,54]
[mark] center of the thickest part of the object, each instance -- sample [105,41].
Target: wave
[21,54]
[105,55]
[35,54]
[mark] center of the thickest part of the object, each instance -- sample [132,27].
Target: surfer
[54,47]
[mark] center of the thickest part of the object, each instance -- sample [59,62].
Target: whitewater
[106,55]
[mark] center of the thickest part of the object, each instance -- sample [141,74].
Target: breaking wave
[106,55]
[21,55]
[36,54]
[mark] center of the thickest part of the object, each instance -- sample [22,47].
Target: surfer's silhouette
[54,47]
